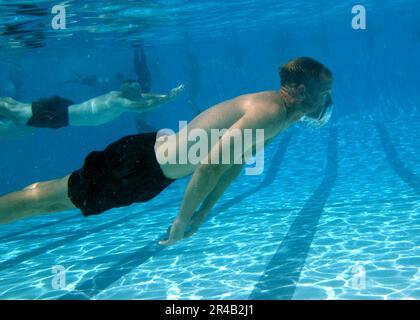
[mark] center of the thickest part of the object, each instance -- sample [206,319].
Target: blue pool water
[336,212]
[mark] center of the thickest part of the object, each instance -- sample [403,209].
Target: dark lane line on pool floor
[77,236]
[410,178]
[283,271]
[91,287]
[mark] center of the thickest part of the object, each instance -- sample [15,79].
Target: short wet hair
[304,71]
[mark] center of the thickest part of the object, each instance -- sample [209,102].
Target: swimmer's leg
[38,198]
[15,111]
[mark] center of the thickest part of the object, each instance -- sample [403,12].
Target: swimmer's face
[319,99]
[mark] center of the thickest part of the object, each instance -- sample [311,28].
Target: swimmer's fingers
[166,242]
[193,227]
[196,222]
[168,230]
[170,241]
[176,233]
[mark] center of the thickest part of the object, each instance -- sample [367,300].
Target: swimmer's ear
[301,89]
[301,92]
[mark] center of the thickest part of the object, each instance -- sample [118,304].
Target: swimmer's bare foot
[4,106]
[3,102]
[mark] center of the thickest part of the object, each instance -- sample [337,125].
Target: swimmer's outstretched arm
[108,107]
[150,101]
[225,181]
[207,176]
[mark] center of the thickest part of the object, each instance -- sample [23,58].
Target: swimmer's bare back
[263,110]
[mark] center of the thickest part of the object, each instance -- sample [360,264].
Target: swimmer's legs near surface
[38,198]
[15,111]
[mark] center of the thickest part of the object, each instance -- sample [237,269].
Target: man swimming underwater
[56,112]
[130,170]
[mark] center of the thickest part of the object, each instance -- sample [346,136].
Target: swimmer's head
[309,83]
[131,89]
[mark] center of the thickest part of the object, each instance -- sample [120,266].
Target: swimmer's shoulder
[265,102]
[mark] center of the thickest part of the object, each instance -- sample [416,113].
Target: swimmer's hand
[176,91]
[175,234]
[195,223]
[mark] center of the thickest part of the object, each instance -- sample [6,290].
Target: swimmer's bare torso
[263,110]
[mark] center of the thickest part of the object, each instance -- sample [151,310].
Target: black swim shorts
[126,172]
[50,113]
